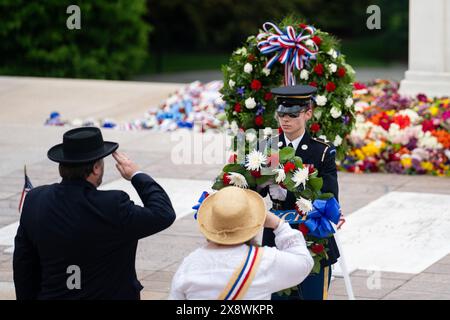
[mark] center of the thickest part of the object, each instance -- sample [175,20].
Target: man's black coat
[71,225]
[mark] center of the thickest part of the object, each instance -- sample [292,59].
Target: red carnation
[317,248]
[268,96]
[303,229]
[311,168]
[359,86]
[255,173]
[318,69]
[330,87]
[402,121]
[280,131]
[313,84]
[302,25]
[289,166]
[341,72]
[428,125]
[237,107]
[259,120]
[315,127]
[317,40]
[256,85]
[226,179]
[251,57]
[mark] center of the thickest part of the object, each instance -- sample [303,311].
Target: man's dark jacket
[71,229]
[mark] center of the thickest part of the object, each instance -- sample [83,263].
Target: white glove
[277,192]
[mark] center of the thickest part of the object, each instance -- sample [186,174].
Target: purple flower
[446,115]
[260,110]
[422,97]
[240,91]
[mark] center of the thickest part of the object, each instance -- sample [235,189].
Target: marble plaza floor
[396,239]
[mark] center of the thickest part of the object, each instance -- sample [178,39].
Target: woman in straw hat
[229,266]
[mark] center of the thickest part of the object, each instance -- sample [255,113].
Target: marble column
[429,49]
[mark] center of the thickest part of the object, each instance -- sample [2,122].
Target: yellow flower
[434,110]
[426,165]
[406,162]
[359,154]
[390,113]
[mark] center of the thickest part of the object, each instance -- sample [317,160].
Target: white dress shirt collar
[295,142]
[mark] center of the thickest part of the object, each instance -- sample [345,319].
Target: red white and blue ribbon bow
[290,49]
[200,201]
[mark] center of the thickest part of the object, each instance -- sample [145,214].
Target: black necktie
[290,145]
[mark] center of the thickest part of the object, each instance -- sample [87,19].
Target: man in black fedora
[77,242]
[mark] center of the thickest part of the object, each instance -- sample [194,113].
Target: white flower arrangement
[304,205]
[300,176]
[248,68]
[238,180]
[250,103]
[255,160]
[321,101]
[335,112]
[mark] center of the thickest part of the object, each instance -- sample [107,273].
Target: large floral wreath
[297,53]
[310,55]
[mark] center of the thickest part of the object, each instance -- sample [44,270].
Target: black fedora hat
[81,145]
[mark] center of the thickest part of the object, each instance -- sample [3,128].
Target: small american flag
[26,188]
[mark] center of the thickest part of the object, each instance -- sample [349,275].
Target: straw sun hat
[232,215]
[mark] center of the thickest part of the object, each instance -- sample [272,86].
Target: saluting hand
[125,166]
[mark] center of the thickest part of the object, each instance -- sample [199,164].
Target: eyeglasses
[290,114]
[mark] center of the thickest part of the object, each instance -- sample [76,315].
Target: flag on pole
[26,188]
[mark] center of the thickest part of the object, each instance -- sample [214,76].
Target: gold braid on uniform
[322,142]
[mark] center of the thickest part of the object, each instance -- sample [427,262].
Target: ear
[98,166]
[309,114]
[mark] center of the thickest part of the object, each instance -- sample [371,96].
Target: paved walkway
[23,140]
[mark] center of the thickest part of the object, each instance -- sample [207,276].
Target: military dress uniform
[321,154]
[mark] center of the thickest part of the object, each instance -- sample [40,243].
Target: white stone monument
[429,49]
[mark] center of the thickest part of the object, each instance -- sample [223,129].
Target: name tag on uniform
[290,216]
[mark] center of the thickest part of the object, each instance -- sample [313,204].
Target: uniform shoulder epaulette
[327,146]
[321,141]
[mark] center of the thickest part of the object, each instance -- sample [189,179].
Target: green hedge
[35,41]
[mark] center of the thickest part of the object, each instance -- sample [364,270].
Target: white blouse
[205,272]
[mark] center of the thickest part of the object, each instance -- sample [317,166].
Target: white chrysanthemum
[321,100]
[248,68]
[231,83]
[332,67]
[335,112]
[250,137]
[266,71]
[280,174]
[337,141]
[428,141]
[267,132]
[332,53]
[255,160]
[237,180]
[300,176]
[304,74]
[304,205]
[348,102]
[323,137]
[250,103]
